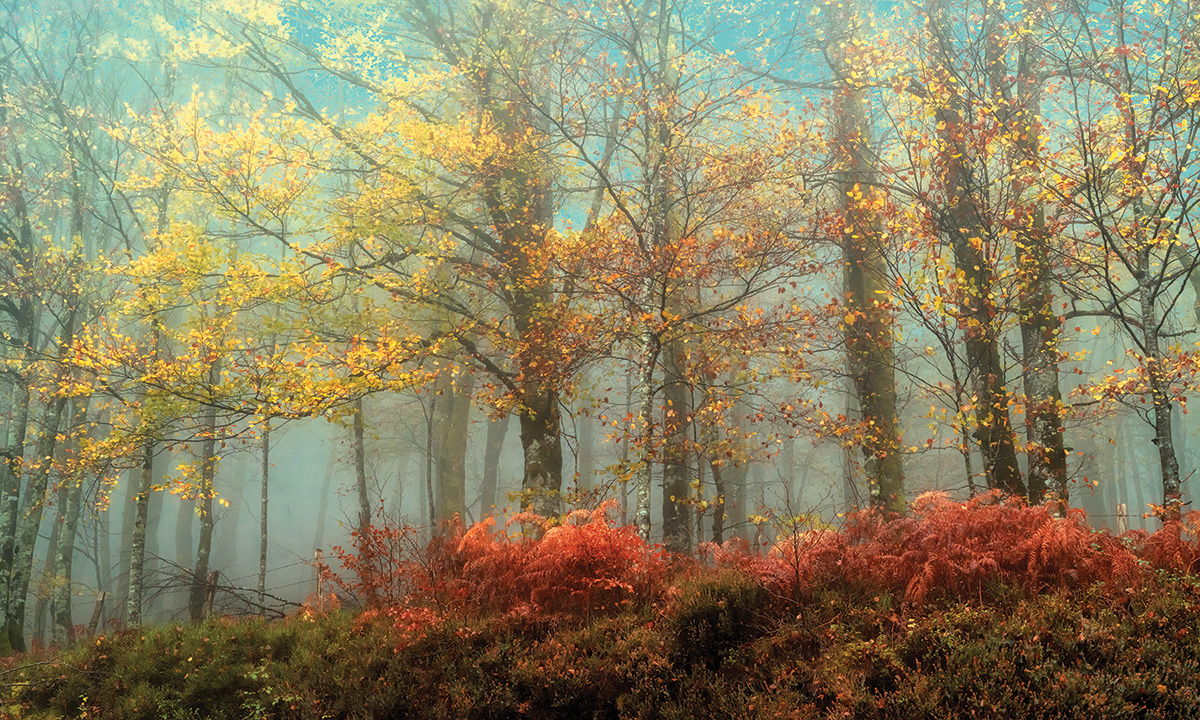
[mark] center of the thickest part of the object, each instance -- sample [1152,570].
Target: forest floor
[983,610]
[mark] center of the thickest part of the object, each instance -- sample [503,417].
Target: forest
[608,358]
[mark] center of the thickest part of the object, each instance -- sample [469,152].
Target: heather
[990,608]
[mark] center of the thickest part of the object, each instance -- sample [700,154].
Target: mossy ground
[720,646]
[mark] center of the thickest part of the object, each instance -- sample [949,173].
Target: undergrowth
[990,608]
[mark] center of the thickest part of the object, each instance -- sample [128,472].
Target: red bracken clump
[1175,546]
[947,549]
[580,566]
[584,564]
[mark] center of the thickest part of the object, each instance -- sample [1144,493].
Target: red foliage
[581,566]
[1175,546]
[946,549]
[382,566]
[586,565]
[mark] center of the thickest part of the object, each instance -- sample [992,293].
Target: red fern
[947,549]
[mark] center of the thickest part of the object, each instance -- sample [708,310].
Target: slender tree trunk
[869,319]
[185,542]
[1040,325]
[739,476]
[323,502]
[263,517]
[10,503]
[102,549]
[967,232]
[677,473]
[646,420]
[787,471]
[359,446]
[64,622]
[32,509]
[492,451]
[45,585]
[584,454]
[430,500]
[137,538]
[1164,437]
[204,501]
[453,426]
[719,502]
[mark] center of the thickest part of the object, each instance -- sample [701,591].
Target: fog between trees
[273,270]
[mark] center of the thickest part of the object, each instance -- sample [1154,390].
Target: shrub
[714,613]
[581,566]
[945,550]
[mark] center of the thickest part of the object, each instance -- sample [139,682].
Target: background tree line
[738,266]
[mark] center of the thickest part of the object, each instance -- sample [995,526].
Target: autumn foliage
[999,605]
[580,566]
[952,550]
[586,565]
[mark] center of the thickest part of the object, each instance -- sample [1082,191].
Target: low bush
[976,610]
[946,550]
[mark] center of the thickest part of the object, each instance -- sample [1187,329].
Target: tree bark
[32,508]
[137,538]
[965,228]
[359,448]
[263,517]
[453,426]
[1164,438]
[1040,324]
[492,451]
[541,442]
[869,319]
[584,454]
[677,473]
[718,521]
[204,502]
[645,471]
[64,622]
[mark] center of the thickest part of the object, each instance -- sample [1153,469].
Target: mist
[275,272]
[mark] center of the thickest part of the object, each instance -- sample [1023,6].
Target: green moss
[721,647]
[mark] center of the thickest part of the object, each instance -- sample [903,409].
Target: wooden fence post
[210,593]
[318,563]
[97,613]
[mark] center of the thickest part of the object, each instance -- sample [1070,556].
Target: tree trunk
[137,538]
[204,502]
[739,476]
[1039,322]
[584,454]
[323,502]
[542,444]
[1164,437]
[64,622]
[492,452]
[185,520]
[718,521]
[966,229]
[869,319]
[453,426]
[677,474]
[263,503]
[993,427]
[45,585]
[645,471]
[359,447]
[32,507]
